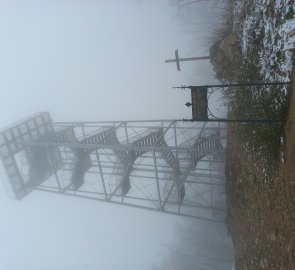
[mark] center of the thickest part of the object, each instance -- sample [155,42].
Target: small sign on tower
[201,94]
[199,103]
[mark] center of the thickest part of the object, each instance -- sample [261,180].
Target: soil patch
[261,206]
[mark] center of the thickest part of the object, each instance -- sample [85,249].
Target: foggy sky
[89,60]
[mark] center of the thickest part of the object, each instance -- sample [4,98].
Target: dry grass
[260,187]
[261,203]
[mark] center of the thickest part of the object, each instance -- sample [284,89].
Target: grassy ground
[261,202]
[260,157]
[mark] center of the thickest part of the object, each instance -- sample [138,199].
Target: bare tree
[185,7]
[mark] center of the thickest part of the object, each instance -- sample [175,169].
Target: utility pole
[177,60]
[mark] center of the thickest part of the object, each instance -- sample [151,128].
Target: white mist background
[91,60]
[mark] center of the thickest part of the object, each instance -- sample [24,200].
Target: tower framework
[163,165]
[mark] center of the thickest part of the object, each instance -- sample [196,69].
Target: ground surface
[260,163]
[262,206]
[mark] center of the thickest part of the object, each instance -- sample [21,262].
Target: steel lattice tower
[162,165]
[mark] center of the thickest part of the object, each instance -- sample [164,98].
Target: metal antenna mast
[163,165]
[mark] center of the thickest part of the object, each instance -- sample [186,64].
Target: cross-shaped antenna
[177,60]
[182,87]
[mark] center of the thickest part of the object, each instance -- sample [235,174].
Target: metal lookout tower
[164,165]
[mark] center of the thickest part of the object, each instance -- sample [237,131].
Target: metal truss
[164,165]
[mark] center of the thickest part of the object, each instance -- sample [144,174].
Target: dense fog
[103,60]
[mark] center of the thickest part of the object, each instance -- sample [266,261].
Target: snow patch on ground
[266,30]
[273,24]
